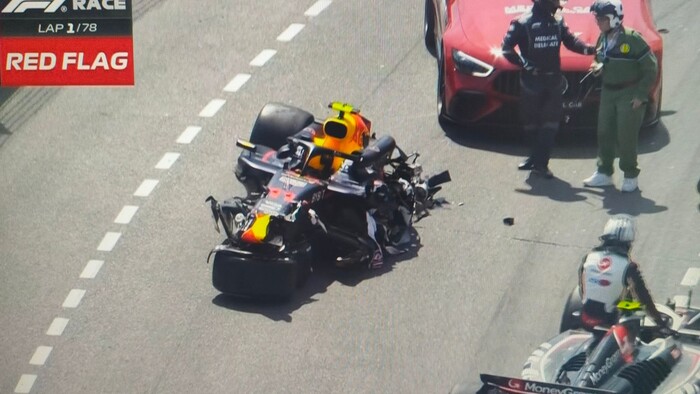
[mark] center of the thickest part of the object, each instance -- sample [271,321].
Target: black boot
[526,165]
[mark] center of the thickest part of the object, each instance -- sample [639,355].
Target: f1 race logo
[50,7]
[19,6]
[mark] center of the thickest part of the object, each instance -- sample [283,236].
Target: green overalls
[629,71]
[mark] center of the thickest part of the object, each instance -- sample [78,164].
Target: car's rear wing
[508,385]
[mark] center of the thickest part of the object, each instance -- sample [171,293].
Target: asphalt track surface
[477,296]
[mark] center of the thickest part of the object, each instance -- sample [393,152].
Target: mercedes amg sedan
[477,85]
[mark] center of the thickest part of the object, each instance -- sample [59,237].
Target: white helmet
[620,229]
[610,8]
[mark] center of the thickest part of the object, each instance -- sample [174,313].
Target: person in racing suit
[628,69]
[539,34]
[607,275]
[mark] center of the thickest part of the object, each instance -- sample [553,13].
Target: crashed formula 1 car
[311,186]
[629,357]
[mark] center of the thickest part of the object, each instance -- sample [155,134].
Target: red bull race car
[309,185]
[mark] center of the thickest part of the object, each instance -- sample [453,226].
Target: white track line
[290,32]
[188,135]
[263,57]
[40,355]
[57,326]
[73,299]
[212,108]
[25,383]
[110,239]
[691,277]
[318,7]
[236,83]
[146,188]
[91,269]
[126,214]
[167,161]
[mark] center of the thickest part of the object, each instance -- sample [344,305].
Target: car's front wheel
[654,116]
[440,89]
[429,28]
[570,319]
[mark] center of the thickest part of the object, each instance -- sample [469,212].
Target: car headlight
[471,65]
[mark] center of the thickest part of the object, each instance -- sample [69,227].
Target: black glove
[530,68]
[663,326]
[666,331]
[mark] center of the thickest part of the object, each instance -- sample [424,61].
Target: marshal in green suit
[629,70]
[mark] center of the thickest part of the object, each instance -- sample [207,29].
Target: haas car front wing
[501,384]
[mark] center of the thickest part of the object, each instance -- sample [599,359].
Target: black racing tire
[276,122]
[303,273]
[570,321]
[304,266]
[441,105]
[241,274]
[429,28]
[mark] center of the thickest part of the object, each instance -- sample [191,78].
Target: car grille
[508,83]
[509,116]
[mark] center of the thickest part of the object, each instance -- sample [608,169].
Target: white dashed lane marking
[57,326]
[212,108]
[691,277]
[25,383]
[40,355]
[107,244]
[188,135]
[318,7]
[73,299]
[126,214]
[91,269]
[236,83]
[146,188]
[291,31]
[167,161]
[263,57]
